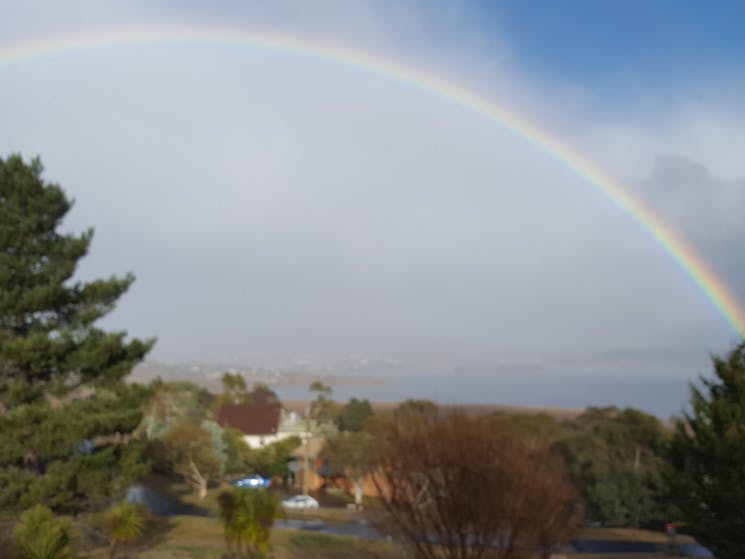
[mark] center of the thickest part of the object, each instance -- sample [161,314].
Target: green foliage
[237,453]
[534,429]
[707,459]
[272,459]
[320,388]
[247,517]
[322,408]
[233,383]
[260,392]
[172,404]
[614,457]
[67,413]
[123,523]
[218,444]
[48,341]
[235,392]
[189,452]
[75,484]
[70,458]
[412,409]
[353,416]
[39,535]
[348,454]
[176,412]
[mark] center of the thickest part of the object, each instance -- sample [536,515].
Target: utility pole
[306,457]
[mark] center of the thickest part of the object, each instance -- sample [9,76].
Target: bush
[39,535]
[247,517]
[455,487]
[123,523]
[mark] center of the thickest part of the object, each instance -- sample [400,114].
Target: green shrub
[248,515]
[39,535]
[123,524]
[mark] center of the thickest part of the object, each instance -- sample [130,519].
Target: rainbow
[713,287]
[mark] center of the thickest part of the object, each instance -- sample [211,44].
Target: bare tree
[456,488]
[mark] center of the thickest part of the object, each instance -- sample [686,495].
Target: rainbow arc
[694,266]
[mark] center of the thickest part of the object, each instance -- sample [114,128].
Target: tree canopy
[349,454]
[353,416]
[707,459]
[322,407]
[189,451]
[65,413]
[615,458]
[48,338]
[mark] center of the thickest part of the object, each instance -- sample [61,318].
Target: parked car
[252,482]
[300,502]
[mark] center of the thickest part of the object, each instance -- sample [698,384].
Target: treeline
[614,457]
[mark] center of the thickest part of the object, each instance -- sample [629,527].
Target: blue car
[252,482]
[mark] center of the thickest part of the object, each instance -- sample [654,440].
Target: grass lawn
[189,537]
[192,537]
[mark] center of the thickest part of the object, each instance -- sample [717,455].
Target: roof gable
[251,418]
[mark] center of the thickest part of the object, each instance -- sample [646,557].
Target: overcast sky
[269,202]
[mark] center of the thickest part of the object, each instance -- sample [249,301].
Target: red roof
[251,418]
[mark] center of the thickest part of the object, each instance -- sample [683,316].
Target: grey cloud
[703,205]
[706,209]
[266,200]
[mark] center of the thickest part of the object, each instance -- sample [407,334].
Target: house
[321,476]
[262,420]
[258,418]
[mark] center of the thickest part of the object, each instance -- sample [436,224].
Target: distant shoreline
[552,392]
[299,406]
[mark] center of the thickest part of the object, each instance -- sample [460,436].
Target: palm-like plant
[247,517]
[123,523]
[40,535]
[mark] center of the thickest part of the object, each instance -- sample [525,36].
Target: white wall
[260,441]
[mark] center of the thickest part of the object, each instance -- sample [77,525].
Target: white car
[300,502]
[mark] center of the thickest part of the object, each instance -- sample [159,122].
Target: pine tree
[707,459]
[65,413]
[48,341]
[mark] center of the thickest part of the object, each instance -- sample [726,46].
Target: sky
[276,204]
